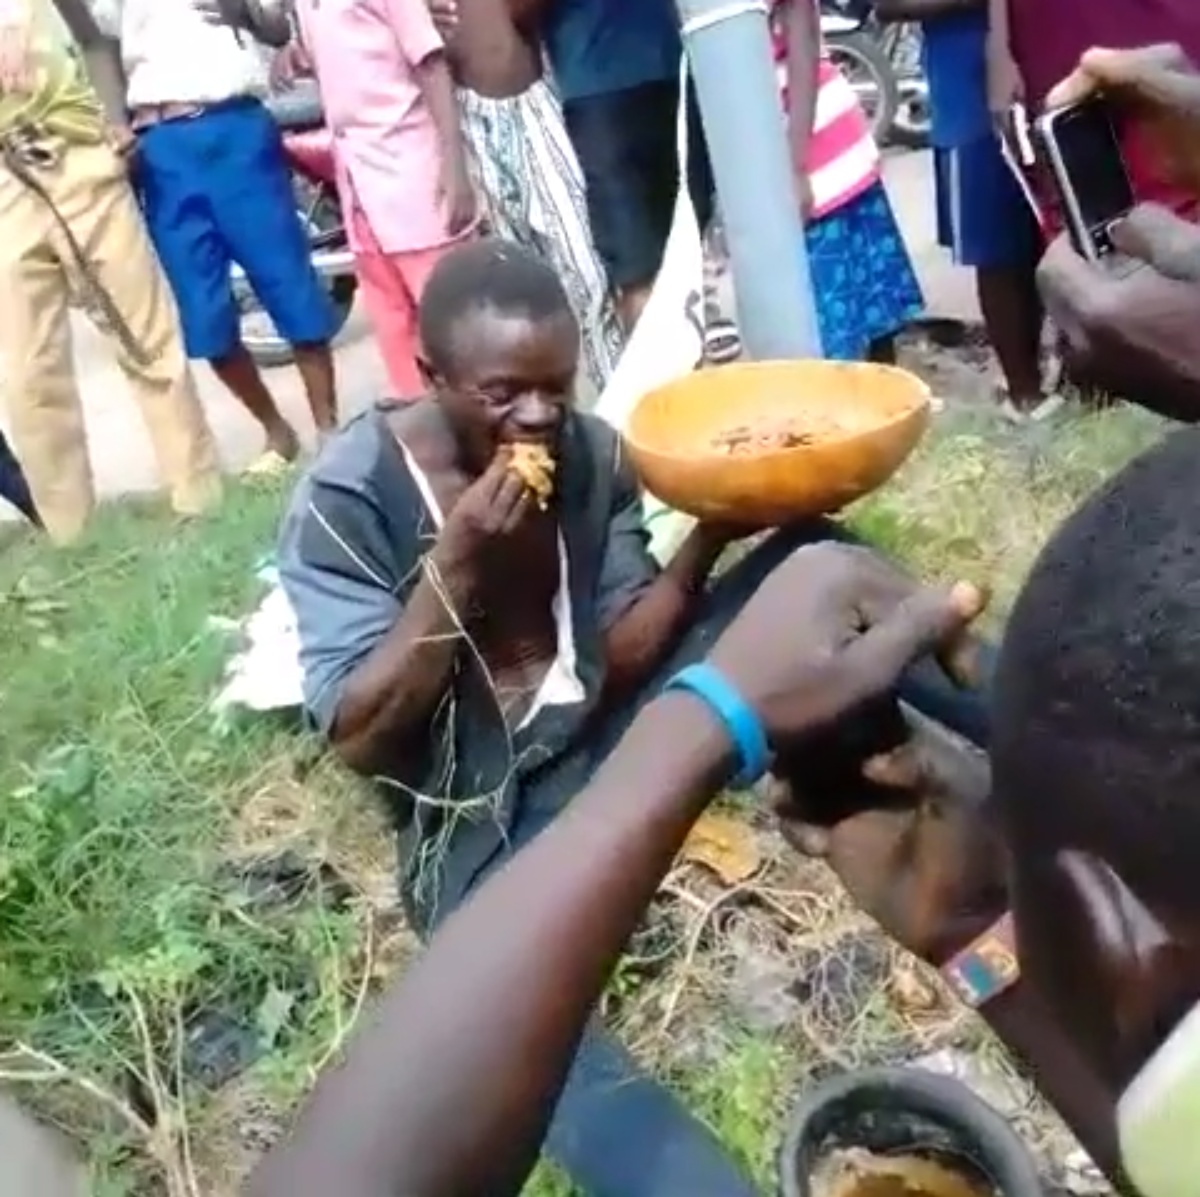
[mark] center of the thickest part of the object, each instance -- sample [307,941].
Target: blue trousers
[215,190]
[14,488]
[616,1132]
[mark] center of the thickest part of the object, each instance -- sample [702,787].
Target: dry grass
[738,994]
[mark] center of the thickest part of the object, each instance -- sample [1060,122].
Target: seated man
[1096,766]
[480,653]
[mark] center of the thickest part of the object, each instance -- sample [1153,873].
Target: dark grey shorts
[625,142]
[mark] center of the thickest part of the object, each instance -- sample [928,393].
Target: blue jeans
[616,1132]
[13,487]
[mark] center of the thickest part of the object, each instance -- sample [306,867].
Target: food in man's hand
[771,436]
[535,467]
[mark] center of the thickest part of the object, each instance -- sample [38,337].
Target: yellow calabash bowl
[868,418]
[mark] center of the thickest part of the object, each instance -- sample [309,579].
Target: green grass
[122,799]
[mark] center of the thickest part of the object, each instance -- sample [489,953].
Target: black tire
[858,55]
[901,44]
[317,210]
[912,127]
[270,351]
[909,134]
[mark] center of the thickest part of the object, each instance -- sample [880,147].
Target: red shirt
[1049,36]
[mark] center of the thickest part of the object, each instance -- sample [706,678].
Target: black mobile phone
[1079,146]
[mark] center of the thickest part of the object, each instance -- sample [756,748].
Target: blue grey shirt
[349,556]
[597,47]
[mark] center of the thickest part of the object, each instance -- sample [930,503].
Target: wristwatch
[987,966]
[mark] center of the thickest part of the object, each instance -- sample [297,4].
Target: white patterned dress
[531,187]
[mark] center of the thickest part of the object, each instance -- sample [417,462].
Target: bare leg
[883,351]
[1013,315]
[240,374]
[630,303]
[315,363]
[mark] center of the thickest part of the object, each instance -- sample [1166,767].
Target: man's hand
[804,195]
[1005,87]
[1159,87]
[480,524]
[445,18]
[919,856]
[16,57]
[1133,333]
[831,628]
[457,194]
[290,63]
[124,141]
[232,13]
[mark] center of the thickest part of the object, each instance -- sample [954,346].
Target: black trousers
[13,486]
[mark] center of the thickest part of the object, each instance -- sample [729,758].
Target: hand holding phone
[1079,145]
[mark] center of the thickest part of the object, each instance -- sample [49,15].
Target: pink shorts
[392,285]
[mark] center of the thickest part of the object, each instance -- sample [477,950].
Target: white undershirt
[172,55]
[561,685]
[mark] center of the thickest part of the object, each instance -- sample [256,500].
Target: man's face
[510,379]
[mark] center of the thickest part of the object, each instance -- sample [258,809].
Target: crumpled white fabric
[264,674]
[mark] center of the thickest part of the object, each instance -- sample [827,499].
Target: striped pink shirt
[843,159]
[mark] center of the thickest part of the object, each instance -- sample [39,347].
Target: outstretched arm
[270,22]
[452,1087]
[101,57]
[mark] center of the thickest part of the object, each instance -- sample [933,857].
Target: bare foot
[283,441]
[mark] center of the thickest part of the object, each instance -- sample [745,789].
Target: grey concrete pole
[728,44]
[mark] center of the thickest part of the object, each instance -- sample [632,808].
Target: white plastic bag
[668,340]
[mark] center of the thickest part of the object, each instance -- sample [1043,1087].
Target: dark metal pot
[906,1111]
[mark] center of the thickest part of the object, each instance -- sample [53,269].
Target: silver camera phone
[1079,145]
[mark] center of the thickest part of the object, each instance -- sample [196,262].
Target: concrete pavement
[35,1161]
[121,453]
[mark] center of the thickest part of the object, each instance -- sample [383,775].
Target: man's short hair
[1097,695]
[487,274]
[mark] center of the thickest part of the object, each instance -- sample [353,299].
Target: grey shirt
[349,556]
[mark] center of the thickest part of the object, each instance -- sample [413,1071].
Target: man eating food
[479,618]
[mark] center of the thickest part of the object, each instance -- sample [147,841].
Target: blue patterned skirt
[862,277]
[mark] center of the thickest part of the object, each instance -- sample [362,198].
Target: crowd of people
[543,750]
[544,754]
[551,125]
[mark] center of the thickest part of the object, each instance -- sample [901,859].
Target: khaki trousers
[38,276]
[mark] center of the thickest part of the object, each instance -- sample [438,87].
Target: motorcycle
[883,64]
[308,146]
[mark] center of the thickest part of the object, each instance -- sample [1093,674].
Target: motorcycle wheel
[264,344]
[259,335]
[911,128]
[869,72]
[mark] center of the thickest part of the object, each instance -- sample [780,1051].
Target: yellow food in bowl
[765,443]
[770,436]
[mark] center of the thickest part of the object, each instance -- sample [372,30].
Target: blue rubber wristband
[741,722]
